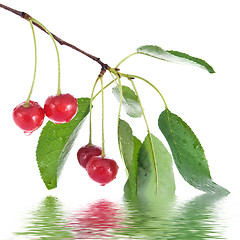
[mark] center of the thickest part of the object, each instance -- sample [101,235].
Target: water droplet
[196,145]
[68,120]
[102,184]
[27,133]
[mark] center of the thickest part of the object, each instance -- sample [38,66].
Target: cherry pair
[100,169]
[59,109]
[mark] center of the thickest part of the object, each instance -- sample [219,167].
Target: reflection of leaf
[48,221]
[55,142]
[199,219]
[147,219]
[195,219]
[174,56]
[188,153]
[129,100]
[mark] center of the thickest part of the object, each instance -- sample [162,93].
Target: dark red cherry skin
[86,152]
[102,170]
[28,118]
[61,108]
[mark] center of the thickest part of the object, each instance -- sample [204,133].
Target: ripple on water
[133,219]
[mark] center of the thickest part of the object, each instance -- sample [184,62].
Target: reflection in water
[134,219]
[48,222]
[195,219]
[96,221]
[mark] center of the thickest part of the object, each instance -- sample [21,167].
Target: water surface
[197,218]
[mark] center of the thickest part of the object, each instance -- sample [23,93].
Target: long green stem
[130,76]
[26,104]
[103,88]
[103,139]
[149,133]
[58,58]
[90,112]
[115,72]
[126,59]
[121,96]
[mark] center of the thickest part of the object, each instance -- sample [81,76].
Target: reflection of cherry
[29,117]
[61,108]
[86,152]
[96,220]
[102,170]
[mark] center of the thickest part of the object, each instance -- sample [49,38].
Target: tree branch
[59,40]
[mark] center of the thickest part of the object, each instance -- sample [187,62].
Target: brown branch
[59,40]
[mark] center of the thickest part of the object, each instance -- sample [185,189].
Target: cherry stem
[59,40]
[58,58]
[103,143]
[26,104]
[149,133]
[90,111]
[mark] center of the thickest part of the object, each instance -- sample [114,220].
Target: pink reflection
[96,220]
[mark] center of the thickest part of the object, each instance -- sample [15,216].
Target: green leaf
[188,153]
[129,147]
[174,56]
[143,180]
[55,143]
[148,182]
[130,101]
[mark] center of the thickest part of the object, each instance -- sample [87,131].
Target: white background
[112,30]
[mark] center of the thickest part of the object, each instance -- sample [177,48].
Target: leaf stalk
[125,59]
[130,77]
[149,133]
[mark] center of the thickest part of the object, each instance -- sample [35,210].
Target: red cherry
[86,152]
[102,170]
[61,108]
[28,118]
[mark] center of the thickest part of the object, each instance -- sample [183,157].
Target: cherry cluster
[99,168]
[60,108]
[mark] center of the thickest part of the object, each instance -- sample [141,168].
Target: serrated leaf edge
[77,128]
